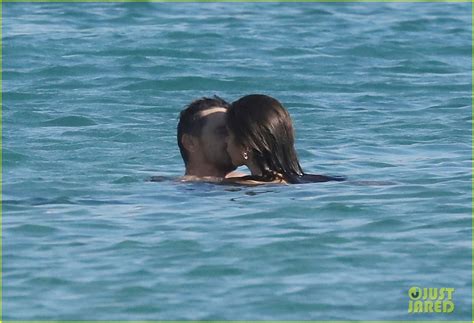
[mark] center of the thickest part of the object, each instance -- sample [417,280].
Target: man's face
[213,139]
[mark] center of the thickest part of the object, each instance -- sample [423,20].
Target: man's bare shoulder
[192,178]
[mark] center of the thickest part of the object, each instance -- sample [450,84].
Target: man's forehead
[210,111]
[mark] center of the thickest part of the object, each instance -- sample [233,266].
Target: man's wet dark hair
[190,123]
[260,123]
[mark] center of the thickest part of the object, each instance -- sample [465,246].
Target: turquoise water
[380,93]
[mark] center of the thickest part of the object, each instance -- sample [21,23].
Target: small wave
[319,12]
[34,229]
[20,96]
[125,180]
[126,136]
[179,83]
[134,291]
[39,201]
[383,225]
[341,208]
[127,244]
[149,52]
[412,67]
[67,71]
[47,281]
[11,157]
[212,270]
[70,121]
[413,25]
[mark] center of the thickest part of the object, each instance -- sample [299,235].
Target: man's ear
[189,142]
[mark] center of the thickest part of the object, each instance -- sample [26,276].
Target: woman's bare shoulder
[235,174]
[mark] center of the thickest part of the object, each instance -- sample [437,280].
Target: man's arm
[235,174]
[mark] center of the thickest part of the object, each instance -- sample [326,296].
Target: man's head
[202,135]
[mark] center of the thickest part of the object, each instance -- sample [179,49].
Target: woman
[261,137]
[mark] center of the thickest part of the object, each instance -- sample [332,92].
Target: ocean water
[378,92]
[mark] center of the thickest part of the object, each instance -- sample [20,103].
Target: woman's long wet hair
[261,124]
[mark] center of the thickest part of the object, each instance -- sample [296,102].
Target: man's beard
[227,168]
[224,165]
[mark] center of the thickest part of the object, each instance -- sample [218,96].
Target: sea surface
[378,92]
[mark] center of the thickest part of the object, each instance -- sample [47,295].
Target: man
[201,138]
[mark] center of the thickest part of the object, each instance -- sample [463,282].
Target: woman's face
[235,152]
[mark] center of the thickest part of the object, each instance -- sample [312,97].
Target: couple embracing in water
[215,137]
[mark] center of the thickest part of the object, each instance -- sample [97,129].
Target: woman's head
[261,133]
